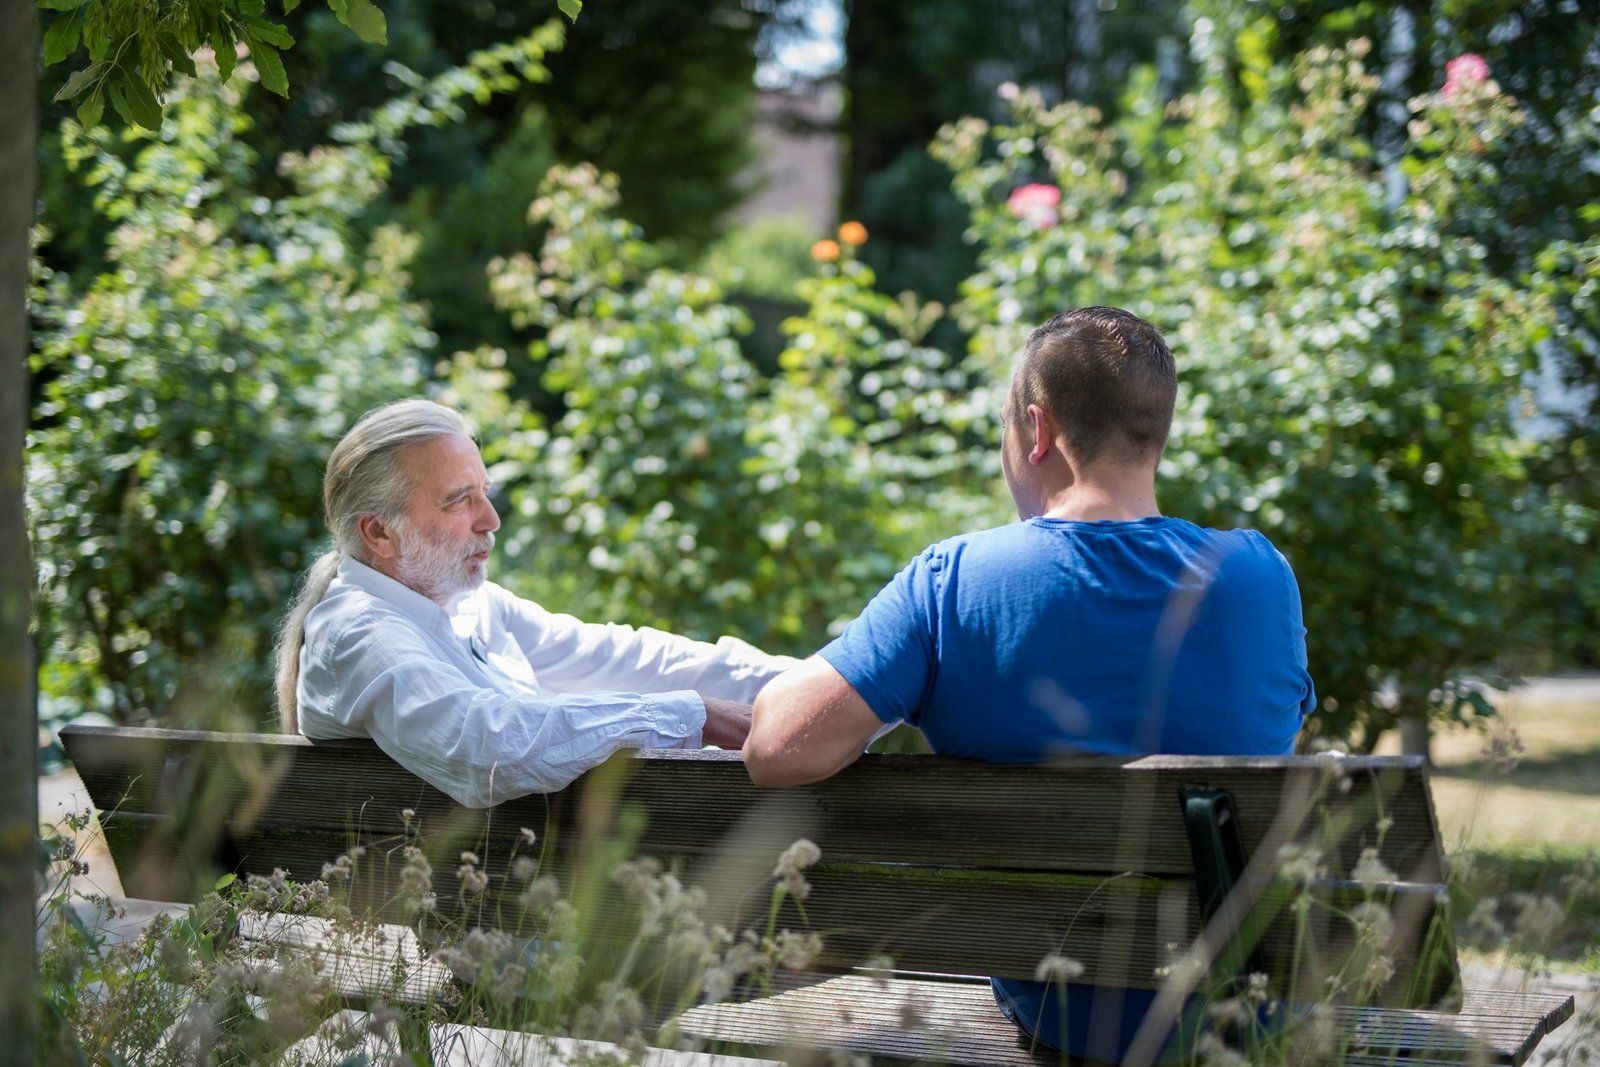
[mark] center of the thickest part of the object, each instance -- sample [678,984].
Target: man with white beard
[395,635]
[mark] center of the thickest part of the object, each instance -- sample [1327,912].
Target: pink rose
[1464,72]
[1035,203]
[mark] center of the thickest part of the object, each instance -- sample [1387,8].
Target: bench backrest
[944,865]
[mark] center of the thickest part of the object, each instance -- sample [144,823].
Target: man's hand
[727,722]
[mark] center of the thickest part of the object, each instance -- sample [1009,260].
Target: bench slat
[1104,814]
[961,1020]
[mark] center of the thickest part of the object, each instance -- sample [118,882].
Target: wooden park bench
[1165,872]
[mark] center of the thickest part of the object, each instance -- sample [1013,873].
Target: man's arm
[809,723]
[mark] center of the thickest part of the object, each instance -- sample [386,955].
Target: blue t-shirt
[1052,637]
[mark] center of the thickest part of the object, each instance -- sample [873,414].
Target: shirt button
[683,726]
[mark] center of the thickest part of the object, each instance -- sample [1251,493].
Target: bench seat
[946,866]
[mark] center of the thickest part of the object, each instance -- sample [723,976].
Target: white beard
[441,571]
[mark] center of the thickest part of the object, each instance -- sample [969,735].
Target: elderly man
[396,636]
[1096,625]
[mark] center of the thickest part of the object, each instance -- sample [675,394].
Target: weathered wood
[957,1022]
[944,864]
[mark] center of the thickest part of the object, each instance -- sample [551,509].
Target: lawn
[1524,831]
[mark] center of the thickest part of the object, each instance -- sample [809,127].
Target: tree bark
[1415,736]
[19,741]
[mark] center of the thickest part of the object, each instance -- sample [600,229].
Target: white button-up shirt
[502,697]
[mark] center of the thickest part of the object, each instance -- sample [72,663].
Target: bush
[1350,369]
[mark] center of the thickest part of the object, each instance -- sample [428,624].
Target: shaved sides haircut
[1108,379]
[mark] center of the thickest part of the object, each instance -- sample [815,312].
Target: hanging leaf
[363,17]
[269,64]
[570,8]
[80,81]
[61,39]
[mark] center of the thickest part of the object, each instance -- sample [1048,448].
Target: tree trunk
[19,739]
[1414,736]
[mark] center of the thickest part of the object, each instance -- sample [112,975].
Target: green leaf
[252,8]
[61,39]
[290,5]
[570,8]
[79,81]
[364,18]
[60,5]
[92,110]
[222,44]
[270,32]
[146,108]
[180,59]
[269,65]
[225,881]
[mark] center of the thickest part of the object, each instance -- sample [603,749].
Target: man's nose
[488,519]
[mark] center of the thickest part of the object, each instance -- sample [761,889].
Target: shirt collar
[377,584]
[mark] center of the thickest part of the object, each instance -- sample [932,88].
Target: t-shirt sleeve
[887,653]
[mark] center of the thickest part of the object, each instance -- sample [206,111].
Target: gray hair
[363,478]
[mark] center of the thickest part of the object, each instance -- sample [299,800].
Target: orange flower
[853,233]
[825,251]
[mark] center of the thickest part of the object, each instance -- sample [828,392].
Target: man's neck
[1103,501]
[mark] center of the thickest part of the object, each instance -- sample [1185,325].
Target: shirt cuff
[680,717]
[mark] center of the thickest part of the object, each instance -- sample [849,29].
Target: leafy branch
[134,47]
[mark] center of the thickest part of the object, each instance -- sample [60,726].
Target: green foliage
[135,48]
[231,340]
[1350,375]
[679,489]
[205,373]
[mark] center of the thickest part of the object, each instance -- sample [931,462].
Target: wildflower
[528,836]
[1380,969]
[1539,919]
[1298,863]
[416,882]
[1483,925]
[338,870]
[476,954]
[1007,91]
[1504,750]
[1036,204]
[852,233]
[383,1020]
[563,973]
[1214,1053]
[1374,924]
[540,896]
[407,815]
[796,951]
[795,859]
[1054,968]
[509,983]
[825,251]
[523,868]
[473,880]
[1370,870]
[1229,1014]
[1256,989]
[1464,72]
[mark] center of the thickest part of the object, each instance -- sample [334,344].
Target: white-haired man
[396,635]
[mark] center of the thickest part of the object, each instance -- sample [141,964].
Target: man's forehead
[444,463]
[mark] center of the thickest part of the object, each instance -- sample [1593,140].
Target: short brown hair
[1108,379]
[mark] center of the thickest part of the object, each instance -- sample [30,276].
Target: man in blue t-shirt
[1094,626]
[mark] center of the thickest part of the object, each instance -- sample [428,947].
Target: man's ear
[1043,429]
[378,537]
